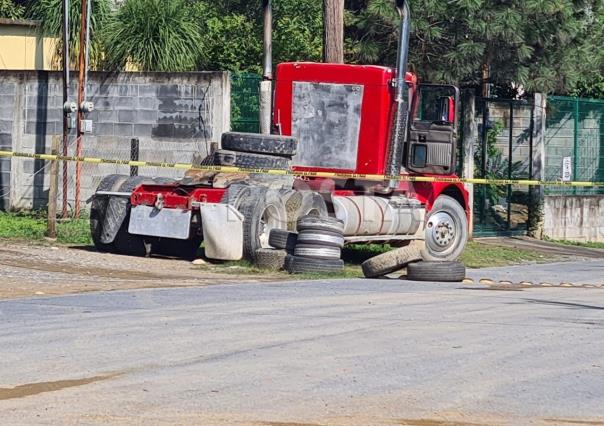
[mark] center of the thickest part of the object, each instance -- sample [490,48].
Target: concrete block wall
[574,218]
[175,116]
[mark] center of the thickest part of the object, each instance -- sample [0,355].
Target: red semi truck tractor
[354,119]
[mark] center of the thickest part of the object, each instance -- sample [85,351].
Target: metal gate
[504,151]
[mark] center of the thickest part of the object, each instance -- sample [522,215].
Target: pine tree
[543,45]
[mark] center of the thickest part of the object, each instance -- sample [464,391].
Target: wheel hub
[441,230]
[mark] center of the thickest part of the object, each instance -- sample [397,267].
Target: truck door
[432,144]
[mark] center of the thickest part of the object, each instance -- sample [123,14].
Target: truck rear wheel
[262,210]
[446,230]
[98,210]
[261,144]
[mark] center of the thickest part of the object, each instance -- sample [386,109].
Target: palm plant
[50,13]
[153,35]
[10,10]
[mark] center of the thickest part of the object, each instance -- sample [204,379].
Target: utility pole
[65,101]
[81,90]
[51,219]
[333,31]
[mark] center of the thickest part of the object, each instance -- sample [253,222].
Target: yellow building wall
[22,47]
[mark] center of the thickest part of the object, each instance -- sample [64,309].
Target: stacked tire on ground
[318,246]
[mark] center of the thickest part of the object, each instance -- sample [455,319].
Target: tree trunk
[333,37]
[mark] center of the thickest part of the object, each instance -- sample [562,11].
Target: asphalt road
[333,352]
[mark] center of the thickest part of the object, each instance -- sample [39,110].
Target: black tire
[284,146]
[436,271]
[283,239]
[311,222]
[304,265]
[322,238]
[449,216]
[268,258]
[391,261]
[262,211]
[98,210]
[125,242]
[249,161]
[317,252]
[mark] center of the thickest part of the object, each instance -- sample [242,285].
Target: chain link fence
[245,101]
[574,143]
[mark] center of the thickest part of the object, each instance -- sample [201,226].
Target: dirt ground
[34,270]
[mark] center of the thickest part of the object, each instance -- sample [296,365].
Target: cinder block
[107,116]
[147,90]
[6,141]
[168,91]
[123,102]
[104,129]
[148,103]
[143,130]
[144,116]
[122,129]
[6,126]
[126,116]
[5,165]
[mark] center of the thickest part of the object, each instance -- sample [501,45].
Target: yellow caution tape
[341,175]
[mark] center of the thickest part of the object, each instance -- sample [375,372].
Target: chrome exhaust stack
[266,87]
[400,123]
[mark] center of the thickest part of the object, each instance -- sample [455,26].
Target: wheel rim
[269,220]
[442,233]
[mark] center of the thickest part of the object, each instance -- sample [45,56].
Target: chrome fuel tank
[367,215]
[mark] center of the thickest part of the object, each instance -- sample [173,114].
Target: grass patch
[593,244]
[479,255]
[31,226]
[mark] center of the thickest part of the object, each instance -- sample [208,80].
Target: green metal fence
[245,101]
[575,131]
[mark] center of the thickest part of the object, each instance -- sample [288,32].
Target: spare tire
[246,160]
[312,222]
[268,258]
[391,261]
[282,239]
[321,238]
[284,146]
[305,265]
[436,271]
[262,211]
[317,252]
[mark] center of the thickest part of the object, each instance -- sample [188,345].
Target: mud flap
[222,231]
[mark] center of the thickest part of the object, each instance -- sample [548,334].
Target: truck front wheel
[446,230]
